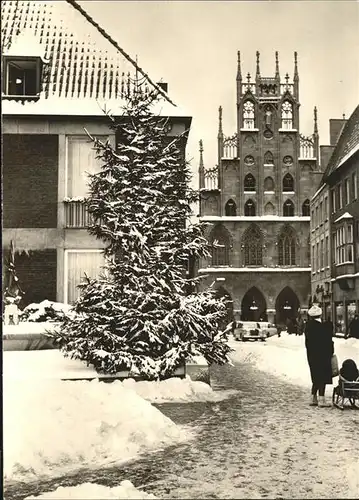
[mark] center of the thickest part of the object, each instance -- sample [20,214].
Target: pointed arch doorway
[254,306]
[286,306]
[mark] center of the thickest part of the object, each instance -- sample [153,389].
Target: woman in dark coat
[320,348]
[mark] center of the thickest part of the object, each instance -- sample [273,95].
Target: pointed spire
[220,129]
[315,120]
[239,72]
[201,166]
[276,65]
[296,76]
[239,78]
[220,136]
[258,72]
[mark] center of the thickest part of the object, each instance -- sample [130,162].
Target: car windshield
[248,324]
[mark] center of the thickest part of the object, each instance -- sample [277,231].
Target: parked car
[249,330]
[269,328]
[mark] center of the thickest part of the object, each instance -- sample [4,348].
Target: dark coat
[354,328]
[329,325]
[320,348]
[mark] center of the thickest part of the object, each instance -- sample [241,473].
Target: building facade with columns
[256,201]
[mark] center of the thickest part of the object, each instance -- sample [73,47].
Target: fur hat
[315,311]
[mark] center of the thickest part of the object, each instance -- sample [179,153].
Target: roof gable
[347,144]
[81,61]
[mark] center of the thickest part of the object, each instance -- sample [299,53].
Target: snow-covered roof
[26,45]
[344,216]
[206,270]
[356,275]
[63,106]
[319,190]
[348,144]
[84,64]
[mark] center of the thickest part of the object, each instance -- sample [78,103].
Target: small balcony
[76,215]
[307,148]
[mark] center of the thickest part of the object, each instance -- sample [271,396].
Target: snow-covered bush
[46,310]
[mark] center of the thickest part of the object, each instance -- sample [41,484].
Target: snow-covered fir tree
[137,314]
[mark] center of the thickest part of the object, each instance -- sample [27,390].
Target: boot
[322,403]
[313,400]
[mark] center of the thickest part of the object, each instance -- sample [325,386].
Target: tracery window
[248,114]
[249,208]
[286,247]
[288,183]
[268,184]
[306,208]
[288,208]
[269,209]
[249,183]
[249,160]
[220,241]
[253,246]
[231,208]
[287,115]
[268,158]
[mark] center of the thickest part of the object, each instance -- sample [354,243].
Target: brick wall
[37,275]
[30,180]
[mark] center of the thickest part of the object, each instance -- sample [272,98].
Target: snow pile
[92,491]
[286,356]
[28,328]
[176,390]
[352,476]
[46,310]
[51,427]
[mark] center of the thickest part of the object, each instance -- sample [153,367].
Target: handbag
[335,366]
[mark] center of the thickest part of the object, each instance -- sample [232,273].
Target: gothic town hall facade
[256,201]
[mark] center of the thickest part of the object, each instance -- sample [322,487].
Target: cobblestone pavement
[264,442]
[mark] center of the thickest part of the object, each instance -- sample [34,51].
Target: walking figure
[320,348]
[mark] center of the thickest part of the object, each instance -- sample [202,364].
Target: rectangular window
[321,212]
[81,160]
[344,244]
[347,192]
[350,246]
[326,252]
[334,246]
[313,258]
[355,186]
[340,196]
[321,255]
[332,195]
[312,221]
[22,76]
[316,216]
[78,265]
[318,258]
[326,208]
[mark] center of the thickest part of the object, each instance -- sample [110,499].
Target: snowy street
[263,441]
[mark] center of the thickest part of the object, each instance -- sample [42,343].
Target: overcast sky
[193,46]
